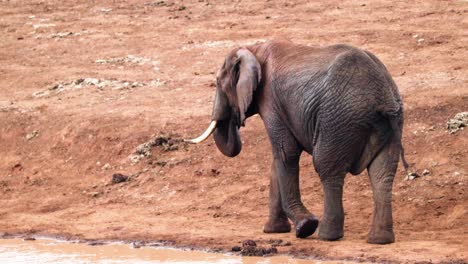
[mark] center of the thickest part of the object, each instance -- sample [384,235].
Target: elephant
[337,103]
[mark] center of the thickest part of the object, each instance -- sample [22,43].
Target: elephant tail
[396,123]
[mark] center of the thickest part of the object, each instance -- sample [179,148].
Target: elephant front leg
[278,220]
[287,170]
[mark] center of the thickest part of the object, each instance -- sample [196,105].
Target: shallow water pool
[15,251]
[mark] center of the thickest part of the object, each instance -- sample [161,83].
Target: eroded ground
[84,83]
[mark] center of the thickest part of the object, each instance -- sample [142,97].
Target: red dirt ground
[57,181]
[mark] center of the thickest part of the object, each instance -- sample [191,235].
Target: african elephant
[337,103]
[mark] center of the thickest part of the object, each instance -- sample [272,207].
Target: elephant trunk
[226,134]
[224,126]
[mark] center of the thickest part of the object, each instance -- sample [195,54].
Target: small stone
[412,176]
[236,249]
[135,158]
[106,166]
[119,178]
[32,135]
[29,239]
[426,172]
[94,194]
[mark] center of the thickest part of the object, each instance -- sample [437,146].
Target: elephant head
[236,83]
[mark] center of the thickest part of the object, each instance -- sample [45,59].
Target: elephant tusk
[204,136]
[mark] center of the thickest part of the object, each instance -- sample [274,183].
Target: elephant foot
[330,232]
[306,226]
[278,226]
[381,237]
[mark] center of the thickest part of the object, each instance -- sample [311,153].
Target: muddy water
[16,251]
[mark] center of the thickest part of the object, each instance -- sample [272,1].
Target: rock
[29,239]
[426,172]
[119,178]
[32,135]
[412,176]
[236,249]
[458,122]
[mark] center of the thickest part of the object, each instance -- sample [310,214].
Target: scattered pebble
[412,176]
[426,172]
[29,239]
[119,178]
[106,166]
[236,249]
[32,135]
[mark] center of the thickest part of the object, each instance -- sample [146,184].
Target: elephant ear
[249,76]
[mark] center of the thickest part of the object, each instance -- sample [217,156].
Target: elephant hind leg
[332,222]
[382,171]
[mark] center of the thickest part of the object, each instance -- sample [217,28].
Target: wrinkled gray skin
[338,104]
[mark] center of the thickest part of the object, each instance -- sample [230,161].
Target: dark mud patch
[250,248]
